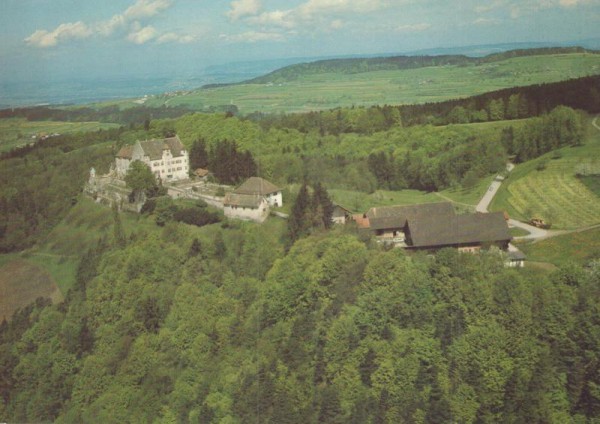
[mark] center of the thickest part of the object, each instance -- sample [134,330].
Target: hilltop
[397,80]
[372,64]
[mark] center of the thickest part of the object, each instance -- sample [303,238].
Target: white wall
[167,168]
[275,199]
[258,215]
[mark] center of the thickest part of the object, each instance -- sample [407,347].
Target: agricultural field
[592,182]
[431,84]
[554,194]
[579,247]
[15,132]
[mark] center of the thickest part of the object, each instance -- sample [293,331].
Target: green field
[431,84]
[360,202]
[15,132]
[592,182]
[580,247]
[555,193]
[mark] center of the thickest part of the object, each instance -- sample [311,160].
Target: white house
[167,158]
[257,186]
[251,207]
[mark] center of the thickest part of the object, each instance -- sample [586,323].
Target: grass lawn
[555,193]
[592,182]
[469,196]
[578,247]
[431,84]
[15,132]
[518,232]
[358,202]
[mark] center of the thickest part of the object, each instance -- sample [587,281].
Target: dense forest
[219,325]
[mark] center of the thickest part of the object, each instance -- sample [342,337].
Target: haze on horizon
[63,39]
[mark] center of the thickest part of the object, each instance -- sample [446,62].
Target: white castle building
[167,158]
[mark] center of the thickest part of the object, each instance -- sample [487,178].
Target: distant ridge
[386,63]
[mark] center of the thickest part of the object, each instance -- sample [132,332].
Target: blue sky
[57,39]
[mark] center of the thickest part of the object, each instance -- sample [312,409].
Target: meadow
[553,193]
[579,247]
[430,84]
[15,132]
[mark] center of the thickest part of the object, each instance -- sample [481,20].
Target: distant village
[428,227]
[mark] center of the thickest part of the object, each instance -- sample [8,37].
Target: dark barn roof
[388,217]
[429,231]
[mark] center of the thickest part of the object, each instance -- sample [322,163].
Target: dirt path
[450,200]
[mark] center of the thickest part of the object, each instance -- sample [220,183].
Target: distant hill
[357,65]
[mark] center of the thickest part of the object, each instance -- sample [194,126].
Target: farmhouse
[250,207]
[257,186]
[434,226]
[167,158]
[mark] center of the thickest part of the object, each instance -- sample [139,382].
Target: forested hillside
[336,330]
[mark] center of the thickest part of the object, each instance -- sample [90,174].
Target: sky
[62,39]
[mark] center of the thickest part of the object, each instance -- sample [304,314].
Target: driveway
[487,198]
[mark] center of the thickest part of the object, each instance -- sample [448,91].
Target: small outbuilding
[257,186]
[341,215]
[249,207]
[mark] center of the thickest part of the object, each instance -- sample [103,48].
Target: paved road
[535,233]
[487,198]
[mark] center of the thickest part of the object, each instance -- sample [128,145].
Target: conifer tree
[323,207]
[198,154]
[299,223]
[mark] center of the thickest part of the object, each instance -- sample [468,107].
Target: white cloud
[115,23]
[519,8]
[253,37]
[413,27]
[141,35]
[317,7]
[278,18]
[486,21]
[127,24]
[146,8]
[312,15]
[171,37]
[43,38]
[242,8]
[337,24]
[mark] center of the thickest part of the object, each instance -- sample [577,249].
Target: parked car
[540,223]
